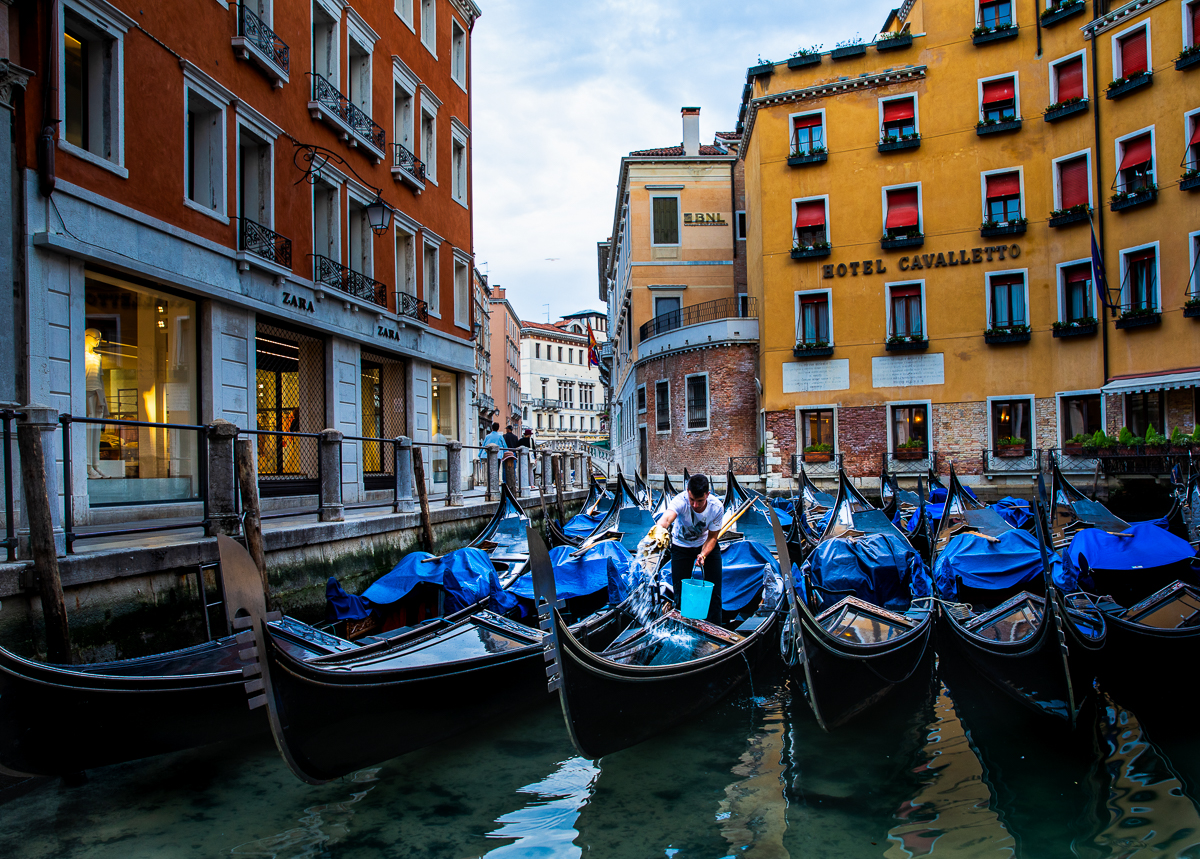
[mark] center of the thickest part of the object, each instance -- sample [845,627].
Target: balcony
[414,308]
[484,403]
[332,273]
[542,405]
[346,118]
[1011,459]
[708,311]
[914,460]
[259,44]
[266,244]
[407,168]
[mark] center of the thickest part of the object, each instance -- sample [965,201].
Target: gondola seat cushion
[605,565]
[982,565]
[742,566]
[882,569]
[1145,548]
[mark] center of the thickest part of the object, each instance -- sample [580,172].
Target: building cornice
[680,350]
[468,10]
[1117,16]
[12,76]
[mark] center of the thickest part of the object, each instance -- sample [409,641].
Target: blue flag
[1098,276]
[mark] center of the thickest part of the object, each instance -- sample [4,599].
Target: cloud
[562,90]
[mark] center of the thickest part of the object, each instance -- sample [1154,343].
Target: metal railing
[411,306]
[293,465]
[1072,460]
[10,531]
[539,403]
[909,462]
[1144,459]
[736,307]
[255,30]
[1015,460]
[756,465]
[817,467]
[333,273]
[403,158]
[263,242]
[329,97]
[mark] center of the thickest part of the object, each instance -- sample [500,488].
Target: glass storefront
[384,415]
[290,397]
[443,418]
[140,365]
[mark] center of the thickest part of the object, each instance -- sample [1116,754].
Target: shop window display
[443,420]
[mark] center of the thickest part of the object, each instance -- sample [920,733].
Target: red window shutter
[1136,151]
[810,214]
[1078,274]
[908,290]
[1073,182]
[1070,79]
[1133,53]
[901,108]
[1001,90]
[1139,256]
[810,121]
[1195,138]
[902,208]
[1008,280]
[812,299]
[1003,185]
[1195,11]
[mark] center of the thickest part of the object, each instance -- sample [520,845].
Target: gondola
[755,522]
[655,675]
[664,497]
[641,491]
[1144,580]
[1000,613]
[627,517]
[862,622]
[579,526]
[331,716]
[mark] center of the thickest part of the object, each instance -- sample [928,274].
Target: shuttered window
[1068,79]
[1136,151]
[903,210]
[1003,197]
[1133,53]
[899,118]
[665,212]
[1000,100]
[1073,182]
[1077,293]
[807,134]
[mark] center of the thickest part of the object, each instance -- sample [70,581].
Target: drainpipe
[1097,6]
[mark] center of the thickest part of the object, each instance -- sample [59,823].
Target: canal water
[950,771]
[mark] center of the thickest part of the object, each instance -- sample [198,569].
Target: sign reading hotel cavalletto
[704,219]
[918,262]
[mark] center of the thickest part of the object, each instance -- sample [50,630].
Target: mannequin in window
[97,405]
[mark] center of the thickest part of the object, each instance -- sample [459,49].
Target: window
[458,53]
[1194,278]
[808,134]
[325,62]
[1191,157]
[406,263]
[570,356]
[432,281]
[816,427]
[910,424]
[1131,52]
[560,422]
[664,212]
[740,218]
[1074,183]
[255,179]
[995,13]
[592,422]
[1143,410]
[1007,302]
[544,381]
[1067,80]
[1191,29]
[462,295]
[641,399]
[204,160]
[537,350]
[560,354]
[429,25]
[1136,171]
[360,247]
[404,10]
[358,81]
[697,402]
[999,100]
[458,169]
[812,319]
[907,318]
[1003,197]
[667,314]
[539,420]
[662,406]
[443,418]
[1139,287]
[1077,294]
[327,221]
[429,143]
[1080,414]
[903,212]
[403,100]
[1011,419]
[899,119]
[810,224]
[572,422]
[91,96]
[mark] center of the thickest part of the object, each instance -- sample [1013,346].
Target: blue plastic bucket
[697,594]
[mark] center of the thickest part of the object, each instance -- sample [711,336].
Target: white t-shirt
[691,528]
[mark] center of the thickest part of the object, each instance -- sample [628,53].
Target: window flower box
[1073,215]
[1007,228]
[1063,109]
[805,59]
[818,349]
[842,52]
[817,155]
[987,35]
[1121,87]
[761,70]
[907,142]
[906,344]
[1190,181]
[1077,328]
[893,42]
[818,453]
[1072,450]
[1128,199]
[1191,308]
[1015,334]
[1011,450]
[913,240]
[1138,317]
[992,126]
[824,249]
[1188,57]
[1061,12]
[909,453]
[817,457]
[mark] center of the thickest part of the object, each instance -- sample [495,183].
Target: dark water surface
[956,772]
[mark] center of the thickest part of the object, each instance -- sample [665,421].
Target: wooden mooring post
[560,486]
[251,509]
[418,462]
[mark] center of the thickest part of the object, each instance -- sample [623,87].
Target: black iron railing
[817,465]
[910,461]
[1073,459]
[405,160]
[10,532]
[708,311]
[747,464]
[333,273]
[330,98]
[412,307]
[288,466]
[1014,459]
[254,30]
[263,242]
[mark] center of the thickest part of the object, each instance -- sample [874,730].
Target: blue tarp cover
[742,565]
[340,605]
[937,494]
[605,565]
[1015,511]
[882,569]
[581,524]
[934,511]
[984,565]
[1147,545]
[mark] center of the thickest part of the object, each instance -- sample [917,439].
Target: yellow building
[918,234]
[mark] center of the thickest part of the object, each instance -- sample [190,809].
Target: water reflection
[753,815]
[546,827]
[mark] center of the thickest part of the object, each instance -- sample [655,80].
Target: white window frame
[1118,151]
[987,292]
[670,422]
[462,289]
[1053,74]
[799,294]
[1058,409]
[430,104]
[196,83]
[819,407]
[1190,117]
[983,177]
[408,282]
[930,442]
[404,130]
[792,117]
[246,127]
[431,284]
[1194,263]
[99,15]
[707,403]
[1115,44]
[796,201]
[979,18]
[1123,256]
[916,100]
[404,11]
[1056,178]
[362,197]
[429,26]
[1061,282]
[1033,425]
[678,215]
[458,53]
[887,305]
[359,33]
[1016,79]
[883,195]
[329,184]
[1189,38]
[334,74]
[459,172]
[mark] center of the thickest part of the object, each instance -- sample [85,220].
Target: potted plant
[849,48]
[1098,444]
[1190,179]
[762,67]
[1128,443]
[818,452]
[914,448]
[1188,56]
[1191,307]
[809,56]
[1154,438]
[893,41]
[1075,444]
[1070,215]
[1120,86]
[1010,446]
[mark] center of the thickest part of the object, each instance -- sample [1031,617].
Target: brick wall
[1046,428]
[959,436]
[1181,406]
[1114,414]
[783,426]
[862,438]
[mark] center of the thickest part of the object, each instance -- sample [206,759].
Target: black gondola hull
[1147,668]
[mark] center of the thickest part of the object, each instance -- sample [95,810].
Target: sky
[562,89]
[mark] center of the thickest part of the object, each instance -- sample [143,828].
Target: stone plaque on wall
[801,376]
[906,371]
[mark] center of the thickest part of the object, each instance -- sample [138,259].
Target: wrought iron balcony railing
[256,239]
[333,273]
[708,311]
[254,30]
[405,160]
[412,307]
[330,98]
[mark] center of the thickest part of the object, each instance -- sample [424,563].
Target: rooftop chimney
[691,130]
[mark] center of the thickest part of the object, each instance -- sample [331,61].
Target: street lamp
[379,214]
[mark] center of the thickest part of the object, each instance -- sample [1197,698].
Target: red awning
[1195,138]
[1073,182]
[809,121]
[1079,274]
[906,291]
[1070,79]
[901,108]
[902,208]
[1008,280]
[1003,185]
[810,213]
[1001,90]
[1135,151]
[1139,256]
[1133,53]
